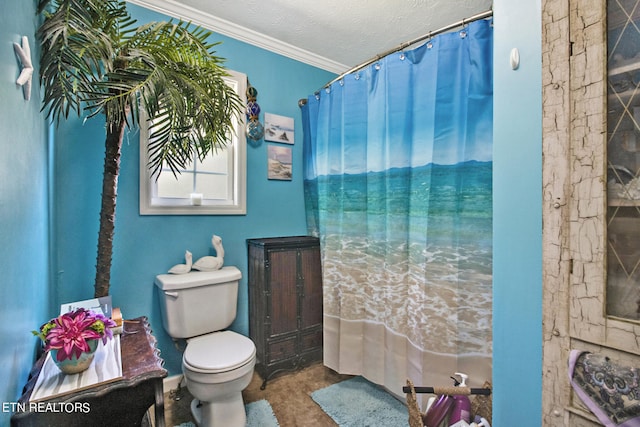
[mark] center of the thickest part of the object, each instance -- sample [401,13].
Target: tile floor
[288,394]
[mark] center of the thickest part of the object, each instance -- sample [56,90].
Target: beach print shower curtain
[398,186]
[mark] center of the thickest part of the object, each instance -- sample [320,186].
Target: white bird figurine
[211,263]
[182,268]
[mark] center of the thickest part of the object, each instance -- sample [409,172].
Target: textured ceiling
[332,34]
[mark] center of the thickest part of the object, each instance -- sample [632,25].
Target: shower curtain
[398,186]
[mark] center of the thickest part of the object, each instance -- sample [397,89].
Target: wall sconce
[254,129]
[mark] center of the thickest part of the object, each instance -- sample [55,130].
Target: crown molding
[174,9]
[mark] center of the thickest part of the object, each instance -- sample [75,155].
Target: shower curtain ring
[429,41]
[463,32]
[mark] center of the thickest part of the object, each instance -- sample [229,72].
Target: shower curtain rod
[405,45]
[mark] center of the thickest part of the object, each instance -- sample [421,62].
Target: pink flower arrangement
[69,333]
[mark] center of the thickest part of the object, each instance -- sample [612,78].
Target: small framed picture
[278,128]
[279,166]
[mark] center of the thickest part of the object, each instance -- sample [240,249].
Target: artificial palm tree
[96,61]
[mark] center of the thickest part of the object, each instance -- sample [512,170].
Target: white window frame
[235,204]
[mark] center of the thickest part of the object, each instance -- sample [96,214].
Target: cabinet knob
[558,203]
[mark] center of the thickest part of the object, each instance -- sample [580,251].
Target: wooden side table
[123,402]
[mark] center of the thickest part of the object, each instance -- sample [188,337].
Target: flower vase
[75,365]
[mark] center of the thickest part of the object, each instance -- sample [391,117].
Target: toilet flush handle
[171,294]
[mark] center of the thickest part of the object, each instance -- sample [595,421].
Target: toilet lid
[219,352]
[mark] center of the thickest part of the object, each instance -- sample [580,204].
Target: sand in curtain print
[442,256]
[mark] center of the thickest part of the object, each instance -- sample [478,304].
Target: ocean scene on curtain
[398,186]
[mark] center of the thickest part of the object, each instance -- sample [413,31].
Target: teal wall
[145,246]
[24,216]
[517,210]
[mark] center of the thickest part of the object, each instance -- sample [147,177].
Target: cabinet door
[591,239]
[623,160]
[283,290]
[601,230]
[311,279]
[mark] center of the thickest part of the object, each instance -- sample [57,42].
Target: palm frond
[78,47]
[186,91]
[95,60]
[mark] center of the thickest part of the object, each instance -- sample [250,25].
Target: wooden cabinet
[591,213]
[285,303]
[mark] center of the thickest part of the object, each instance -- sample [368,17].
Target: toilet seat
[218,352]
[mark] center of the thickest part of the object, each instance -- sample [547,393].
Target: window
[214,186]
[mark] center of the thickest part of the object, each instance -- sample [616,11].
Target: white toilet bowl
[217,367]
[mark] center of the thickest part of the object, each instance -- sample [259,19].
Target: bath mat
[358,402]
[259,414]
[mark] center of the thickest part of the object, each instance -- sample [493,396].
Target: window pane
[623,159]
[212,186]
[169,186]
[216,162]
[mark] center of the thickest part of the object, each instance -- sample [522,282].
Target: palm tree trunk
[113,151]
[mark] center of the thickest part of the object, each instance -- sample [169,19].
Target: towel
[609,390]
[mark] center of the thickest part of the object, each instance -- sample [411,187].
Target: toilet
[217,364]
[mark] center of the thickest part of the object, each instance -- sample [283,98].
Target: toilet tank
[198,302]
